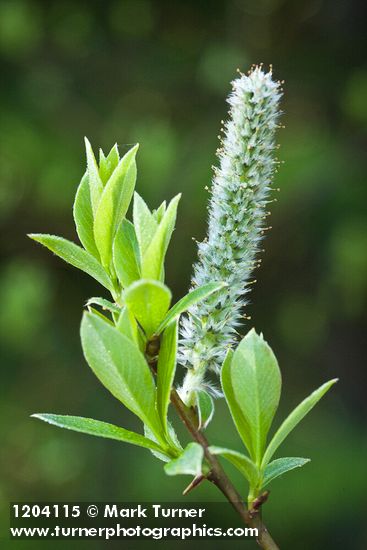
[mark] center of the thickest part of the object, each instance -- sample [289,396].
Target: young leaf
[159,213]
[144,222]
[83,217]
[149,301]
[128,326]
[280,466]
[294,418]
[99,429]
[74,255]
[189,462]
[242,462]
[238,417]
[108,164]
[113,204]
[104,304]
[121,368]
[126,256]
[189,300]
[205,407]
[95,182]
[166,370]
[256,383]
[153,258]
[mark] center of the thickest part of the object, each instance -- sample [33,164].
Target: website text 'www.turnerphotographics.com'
[111,521]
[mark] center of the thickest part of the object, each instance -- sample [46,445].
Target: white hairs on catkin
[237,221]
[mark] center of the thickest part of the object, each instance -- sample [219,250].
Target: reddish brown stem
[219,477]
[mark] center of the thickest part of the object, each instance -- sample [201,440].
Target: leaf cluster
[130,343]
[130,340]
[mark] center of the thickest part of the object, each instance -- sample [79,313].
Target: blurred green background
[158,73]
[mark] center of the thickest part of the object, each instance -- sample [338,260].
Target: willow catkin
[237,219]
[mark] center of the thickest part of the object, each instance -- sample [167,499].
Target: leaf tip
[38,237]
[39,416]
[329,384]
[86,314]
[133,151]
[91,160]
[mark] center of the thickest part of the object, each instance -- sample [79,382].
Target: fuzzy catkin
[237,219]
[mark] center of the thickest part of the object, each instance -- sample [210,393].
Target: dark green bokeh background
[158,73]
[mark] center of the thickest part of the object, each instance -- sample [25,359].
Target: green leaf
[74,255]
[256,382]
[242,462]
[149,301]
[127,325]
[189,462]
[238,417]
[126,256]
[144,222]
[175,448]
[205,406]
[114,203]
[189,300]
[152,261]
[99,429]
[166,370]
[95,182]
[104,304]
[159,212]
[108,164]
[121,368]
[83,217]
[294,418]
[100,315]
[280,466]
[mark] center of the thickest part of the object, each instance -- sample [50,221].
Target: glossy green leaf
[104,304]
[83,217]
[280,466]
[144,222]
[189,300]
[152,260]
[294,418]
[242,462]
[95,182]
[166,370]
[205,407]
[74,255]
[256,382]
[126,255]
[113,204]
[108,164]
[189,462]
[149,301]
[238,417]
[121,368]
[99,429]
